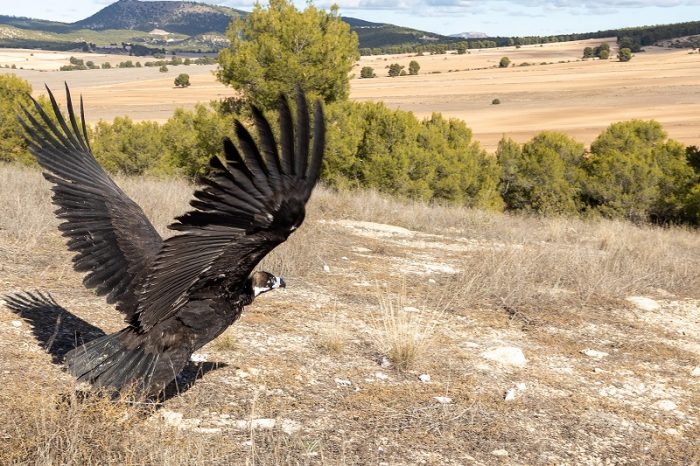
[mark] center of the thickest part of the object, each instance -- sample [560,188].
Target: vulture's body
[180,293]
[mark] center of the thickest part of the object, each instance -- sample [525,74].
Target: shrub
[413,67]
[367,72]
[495,101]
[182,80]
[163,69]
[395,70]
[504,63]
[624,54]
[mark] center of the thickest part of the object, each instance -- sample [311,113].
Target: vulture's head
[262,282]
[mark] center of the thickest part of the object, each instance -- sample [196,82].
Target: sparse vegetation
[552,286]
[413,68]
[504,63]
[496,101]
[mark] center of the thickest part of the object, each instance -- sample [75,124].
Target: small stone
[262,423]
[290,427]
[17,323]
[381,376]
[410,309]
[644,304]
[343,382]
[696,372]
[199,357]
[598,370]
[510,394]
[508,355]
[591,353]
[242,374]
[499,453]
[345,258]
[254,371]
[522,386]
[672,431]
[665,405]
[432,281]
[425,378]
[326,268]
[443,399]
[171,418]
[385,362]
[207,430]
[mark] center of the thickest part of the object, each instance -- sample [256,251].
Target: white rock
[443,399]
[345,258]
[672,431]
[432,281]
[381,376]
[508,355]
[254,370]
[510,394]
[17,323]
[598,370]
[255,424]
[326,268]
[594,353]
[199,357]
[522,386]
[425,378]
[385,362]
[290,427]
[410,309]
[499,453]
[171,418]
[343,382]
[644,304]
[696,372]
[207,430]
[665,405]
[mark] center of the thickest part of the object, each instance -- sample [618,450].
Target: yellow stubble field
[556,91]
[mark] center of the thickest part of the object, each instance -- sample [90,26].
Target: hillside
[189,18]
[390,344]
[204,27]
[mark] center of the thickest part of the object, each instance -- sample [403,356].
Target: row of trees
[632,169]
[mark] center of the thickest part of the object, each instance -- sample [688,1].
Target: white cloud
[465,6]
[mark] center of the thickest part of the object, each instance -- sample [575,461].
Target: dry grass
[403,333]
[309,355]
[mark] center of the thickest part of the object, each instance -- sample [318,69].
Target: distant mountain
[189,18]
[203,27]
[470,35]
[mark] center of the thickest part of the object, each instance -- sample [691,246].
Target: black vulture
[179,293]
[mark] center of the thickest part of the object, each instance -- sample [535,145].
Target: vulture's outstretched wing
[248,206]
[112,238]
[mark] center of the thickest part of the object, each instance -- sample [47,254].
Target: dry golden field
[577,97]
[601,321]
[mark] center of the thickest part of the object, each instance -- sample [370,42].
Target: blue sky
[494,17]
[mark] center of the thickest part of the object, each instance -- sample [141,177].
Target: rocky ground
[387,347]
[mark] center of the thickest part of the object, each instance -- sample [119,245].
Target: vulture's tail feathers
[116,362]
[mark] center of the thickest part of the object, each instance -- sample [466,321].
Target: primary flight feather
[180,293]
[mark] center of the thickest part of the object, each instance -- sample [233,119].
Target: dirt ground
[537,341]
[558,92]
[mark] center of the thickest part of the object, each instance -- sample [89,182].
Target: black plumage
[180,293]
